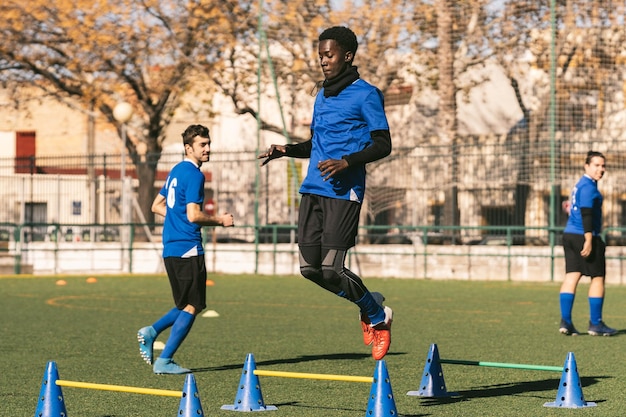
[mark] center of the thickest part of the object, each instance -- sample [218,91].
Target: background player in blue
[180,202]
[348,130]
[584,249]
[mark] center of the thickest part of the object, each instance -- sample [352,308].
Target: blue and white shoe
[146,337]
[567,329]
[163,366]
[600,329]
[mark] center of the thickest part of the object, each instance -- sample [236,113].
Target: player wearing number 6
[180,202]
[349,130]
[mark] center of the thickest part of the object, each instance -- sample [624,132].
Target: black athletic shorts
[592,266]
[328,222]
[188,281]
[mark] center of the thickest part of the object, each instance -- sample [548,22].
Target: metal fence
[502,189]
[497,181]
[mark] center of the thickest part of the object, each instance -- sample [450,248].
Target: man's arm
[158,205]
[587,218]
[380,148]
[197,216]
[298,150]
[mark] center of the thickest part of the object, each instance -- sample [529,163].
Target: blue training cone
[249,396]
[570,394]
[51,402]
[190,402]
[432,384]
[381,402]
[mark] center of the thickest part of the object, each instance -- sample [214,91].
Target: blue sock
[180,329]
[371,308]
[167,320]
[567,303]
[595,309]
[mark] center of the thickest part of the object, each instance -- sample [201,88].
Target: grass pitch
[291,325]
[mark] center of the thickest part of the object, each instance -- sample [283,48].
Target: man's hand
[227,220]
[330,167]
[586,251]
[587,245]
[273,152]
[196,215]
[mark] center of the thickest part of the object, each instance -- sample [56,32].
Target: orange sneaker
[368,332]
[382,336]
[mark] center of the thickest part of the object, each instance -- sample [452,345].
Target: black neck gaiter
[334,86]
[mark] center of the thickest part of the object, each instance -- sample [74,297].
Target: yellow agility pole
[119,388]
[328,377]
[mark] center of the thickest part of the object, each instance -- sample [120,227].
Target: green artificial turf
[289,324]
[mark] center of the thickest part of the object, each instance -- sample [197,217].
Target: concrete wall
[463,262]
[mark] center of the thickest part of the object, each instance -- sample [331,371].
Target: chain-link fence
[495,181]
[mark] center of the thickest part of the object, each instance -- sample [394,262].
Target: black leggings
[326,268]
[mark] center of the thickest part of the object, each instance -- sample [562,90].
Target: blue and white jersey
[341,126]
[585,195]
[184,185]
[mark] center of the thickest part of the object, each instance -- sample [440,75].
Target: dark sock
[180,329]
[167,320]
[371,308]
[567,303]
[595,309]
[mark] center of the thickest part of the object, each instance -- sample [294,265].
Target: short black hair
[592,154]
[192,131]
[343,36]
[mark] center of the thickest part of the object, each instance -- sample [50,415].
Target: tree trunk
[146,173]
[447,120]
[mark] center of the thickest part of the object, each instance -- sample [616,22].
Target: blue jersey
[184,185]
[341,126]
[585,195]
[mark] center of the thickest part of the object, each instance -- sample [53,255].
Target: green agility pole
[503,365]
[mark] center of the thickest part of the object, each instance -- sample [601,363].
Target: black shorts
[592,266]
[328,222]
[188,281]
